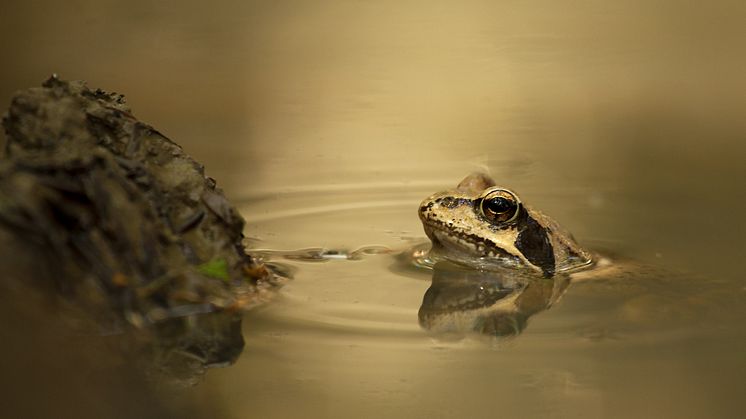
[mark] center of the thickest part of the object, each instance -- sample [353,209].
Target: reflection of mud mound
[496,303]
[100,208]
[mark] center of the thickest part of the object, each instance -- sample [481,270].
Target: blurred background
[624,120]
[635,101]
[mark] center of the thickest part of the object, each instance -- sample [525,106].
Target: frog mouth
[455,241]
[469,246]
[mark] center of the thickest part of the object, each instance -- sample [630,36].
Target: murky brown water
[328,124]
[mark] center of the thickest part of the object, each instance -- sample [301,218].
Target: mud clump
[117,224]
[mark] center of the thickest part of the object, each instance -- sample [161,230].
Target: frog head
[487,225]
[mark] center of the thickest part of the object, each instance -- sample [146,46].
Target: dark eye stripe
[533,241]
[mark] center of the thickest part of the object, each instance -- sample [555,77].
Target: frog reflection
[495,261]
[461,299]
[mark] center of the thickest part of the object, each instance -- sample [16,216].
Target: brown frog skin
[485,226]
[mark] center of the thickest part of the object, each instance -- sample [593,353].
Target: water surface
[343,338]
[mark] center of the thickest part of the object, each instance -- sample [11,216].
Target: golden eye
[500,205]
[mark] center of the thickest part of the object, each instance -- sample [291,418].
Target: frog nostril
[448,202]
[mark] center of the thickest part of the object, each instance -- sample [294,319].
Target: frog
[495,260]
[483,225]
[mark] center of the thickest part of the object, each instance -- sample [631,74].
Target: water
[343,339]
[328,123]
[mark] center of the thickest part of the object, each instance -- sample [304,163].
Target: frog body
[486,226]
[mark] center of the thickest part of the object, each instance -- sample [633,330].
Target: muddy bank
[118,228]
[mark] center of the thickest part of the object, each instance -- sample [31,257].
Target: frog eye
[500,205]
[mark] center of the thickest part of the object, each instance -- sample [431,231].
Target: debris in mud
[104,211]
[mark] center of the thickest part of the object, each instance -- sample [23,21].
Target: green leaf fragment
[216,268]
